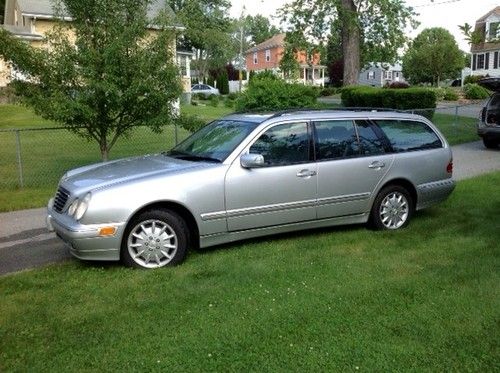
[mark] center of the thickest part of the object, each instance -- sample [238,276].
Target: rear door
[352,160]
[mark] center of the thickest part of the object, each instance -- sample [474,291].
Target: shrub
[232,96]
[223,83]
[191,123]
[472,79]
[198,96]
[474,91]
[214,100]
[264,75]
[229,103]
[272,94]
[398,85]
[400,99]
[450,94]
[328,91]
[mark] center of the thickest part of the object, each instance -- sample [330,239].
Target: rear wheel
[154,239]
[490,143]
[392,208]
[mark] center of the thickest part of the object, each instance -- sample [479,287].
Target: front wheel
[154,239]
[392,208]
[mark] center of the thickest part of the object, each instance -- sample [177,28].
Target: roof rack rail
[353,109]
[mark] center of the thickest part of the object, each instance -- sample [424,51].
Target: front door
[283,190]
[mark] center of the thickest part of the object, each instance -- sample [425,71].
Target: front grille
[60,199]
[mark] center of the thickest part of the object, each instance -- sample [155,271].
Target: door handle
[376,165]
[306,173]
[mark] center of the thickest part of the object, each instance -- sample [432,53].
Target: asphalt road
[25,242]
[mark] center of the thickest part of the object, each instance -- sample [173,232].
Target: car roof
[491,83]
[304,114]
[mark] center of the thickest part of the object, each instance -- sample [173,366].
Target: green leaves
[108,70]
[433,56]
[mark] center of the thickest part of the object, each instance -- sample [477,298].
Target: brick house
[268,54]
[30,20]
[485,56]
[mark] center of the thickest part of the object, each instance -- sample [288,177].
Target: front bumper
[84,241]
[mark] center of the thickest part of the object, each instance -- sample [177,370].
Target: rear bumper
[434,192]
[83,241]
[489,132]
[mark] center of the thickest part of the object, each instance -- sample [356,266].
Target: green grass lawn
[47,154]
[426,298]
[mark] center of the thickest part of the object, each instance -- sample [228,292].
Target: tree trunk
[350,42]
[103,146]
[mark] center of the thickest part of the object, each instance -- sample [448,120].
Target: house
[30,20]
[485,58]
[381,74]
[268,54]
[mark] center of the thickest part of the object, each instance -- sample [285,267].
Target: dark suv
[489,125]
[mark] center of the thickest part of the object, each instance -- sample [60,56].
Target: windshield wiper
[191,157]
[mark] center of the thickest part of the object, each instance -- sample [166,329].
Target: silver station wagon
[249,175]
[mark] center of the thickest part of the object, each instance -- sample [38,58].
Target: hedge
[399,99]
[269,94]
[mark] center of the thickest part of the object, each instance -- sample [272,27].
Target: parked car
[204,89]
[489,124]
[249,175]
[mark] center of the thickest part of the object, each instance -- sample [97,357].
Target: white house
[485,56]
[378,74]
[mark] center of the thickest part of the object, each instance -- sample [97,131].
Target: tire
[392,209]
[489,143]
[154,239]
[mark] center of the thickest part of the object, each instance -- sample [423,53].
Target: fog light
[107,231]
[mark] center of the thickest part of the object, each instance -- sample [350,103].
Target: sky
[438,13]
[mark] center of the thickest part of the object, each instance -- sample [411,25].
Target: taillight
[449,168]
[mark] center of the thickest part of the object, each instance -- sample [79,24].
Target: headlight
[79,206]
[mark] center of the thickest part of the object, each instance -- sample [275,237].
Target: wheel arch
[405,183]
[182,211]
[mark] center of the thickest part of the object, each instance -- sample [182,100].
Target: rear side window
[336,139]
[344,139]
[407,135]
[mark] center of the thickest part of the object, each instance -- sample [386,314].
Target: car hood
[101,175]
[493,84]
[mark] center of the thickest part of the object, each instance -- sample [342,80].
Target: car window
[216,140]
[407,135]
[283,144]
[369,142]
[205,87]
[336,139]
[196,86]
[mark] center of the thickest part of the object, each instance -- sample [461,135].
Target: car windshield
[214,142]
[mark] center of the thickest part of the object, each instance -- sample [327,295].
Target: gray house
[378,74]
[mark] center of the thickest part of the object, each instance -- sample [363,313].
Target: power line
[432,3]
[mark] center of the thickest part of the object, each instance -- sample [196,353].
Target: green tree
[208,32]
[258,28]
[371,30]
[111,76]
[433,56]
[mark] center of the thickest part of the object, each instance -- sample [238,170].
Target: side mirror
[252,161]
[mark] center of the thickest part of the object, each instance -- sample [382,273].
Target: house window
[494,30]
[370,75]
[495,60]
[387,75]
[268,55]
[255,59]
[396,74]
[480,61]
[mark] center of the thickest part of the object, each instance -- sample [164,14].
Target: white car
[204,89]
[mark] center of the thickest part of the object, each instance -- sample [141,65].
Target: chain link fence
[38,157]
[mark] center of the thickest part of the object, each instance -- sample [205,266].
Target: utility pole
[240,67]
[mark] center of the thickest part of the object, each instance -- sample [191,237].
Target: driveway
[25,243]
